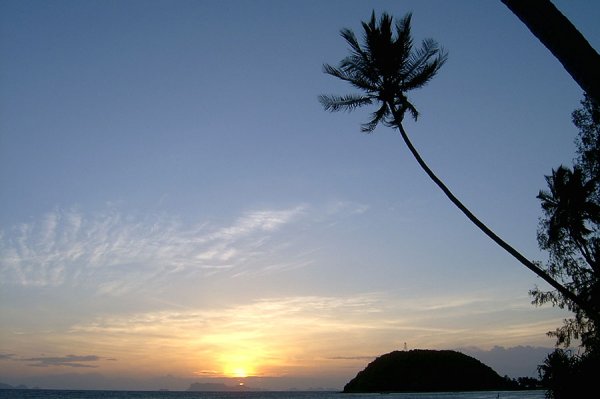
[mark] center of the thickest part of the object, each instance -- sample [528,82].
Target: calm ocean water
[58,394]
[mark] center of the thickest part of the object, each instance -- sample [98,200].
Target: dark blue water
[59,394]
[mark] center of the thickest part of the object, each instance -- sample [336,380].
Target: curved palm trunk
[588,308]
[563,39]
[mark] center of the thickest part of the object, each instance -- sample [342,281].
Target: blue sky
[170,184]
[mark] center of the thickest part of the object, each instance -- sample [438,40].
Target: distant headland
[7,386]
[421,370]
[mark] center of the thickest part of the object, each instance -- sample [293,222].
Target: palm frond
[361,70]
[427,73]
[402,107]
[350,72]
[413,111]
[359,60]
[428,48]
[370,26]
[547,199]
[403,43]
[385,28]
[378,39]
[420,57]
[351,39]
[421,66]
[376,117]
[348,102]
[336,72]
[403,28]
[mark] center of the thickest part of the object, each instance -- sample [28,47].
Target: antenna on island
[405,347]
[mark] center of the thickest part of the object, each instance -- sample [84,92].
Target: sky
[177,207]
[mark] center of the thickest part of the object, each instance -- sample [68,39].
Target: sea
[60,394]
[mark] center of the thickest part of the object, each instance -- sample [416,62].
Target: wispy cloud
[273,333]
[276,329]
[263,315]
[68,247]
[75,361]
[347,207]
[65,361]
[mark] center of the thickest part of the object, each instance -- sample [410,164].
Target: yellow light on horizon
[239,366]
[240,372]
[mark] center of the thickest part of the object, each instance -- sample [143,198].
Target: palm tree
[569,207]
[569,231]
[385,68]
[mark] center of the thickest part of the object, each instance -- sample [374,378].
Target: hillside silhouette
[422,370]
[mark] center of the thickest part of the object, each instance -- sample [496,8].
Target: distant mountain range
[217,387]
[7,386]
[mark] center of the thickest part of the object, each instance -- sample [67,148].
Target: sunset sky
[175,202]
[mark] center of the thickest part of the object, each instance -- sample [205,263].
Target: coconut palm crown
[569,205]
[384,68]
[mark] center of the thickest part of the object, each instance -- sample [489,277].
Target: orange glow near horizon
[264,338]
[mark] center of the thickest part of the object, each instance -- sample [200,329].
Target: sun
[239,366]
[240,372]
[243,363]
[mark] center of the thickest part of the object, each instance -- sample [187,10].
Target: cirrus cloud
[66,247]
[114,253]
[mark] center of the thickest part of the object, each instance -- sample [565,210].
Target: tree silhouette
[570,232]
[569,205]
[385,67]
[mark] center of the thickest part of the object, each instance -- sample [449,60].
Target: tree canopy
[570,232]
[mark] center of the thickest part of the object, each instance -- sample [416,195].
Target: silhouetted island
[422,370]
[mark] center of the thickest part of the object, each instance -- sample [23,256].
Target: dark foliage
[566,375]
[570,233]
[527,383]
[587,120]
